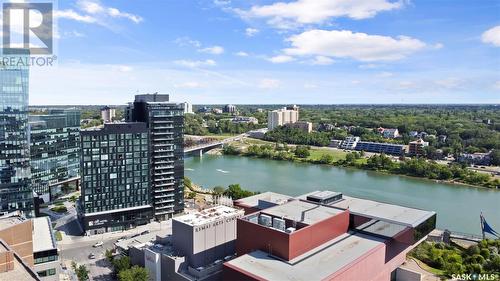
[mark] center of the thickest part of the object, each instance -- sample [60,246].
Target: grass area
[58,235]
[59,209]
[316,154]
[427,268]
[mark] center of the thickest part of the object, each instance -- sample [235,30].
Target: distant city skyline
[274,52]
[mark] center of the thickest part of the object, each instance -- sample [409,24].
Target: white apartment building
[350,143]
[281,117]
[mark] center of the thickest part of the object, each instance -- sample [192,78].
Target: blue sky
[295,51]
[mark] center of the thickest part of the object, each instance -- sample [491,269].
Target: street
[78,248]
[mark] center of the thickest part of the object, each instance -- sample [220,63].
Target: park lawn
[316,154]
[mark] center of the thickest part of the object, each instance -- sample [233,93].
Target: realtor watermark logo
[28,34]
[475,276]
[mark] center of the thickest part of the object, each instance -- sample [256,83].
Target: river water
[457,207]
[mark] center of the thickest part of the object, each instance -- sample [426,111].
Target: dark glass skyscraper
[55,149]
[165,121]
[15,175]
[116,193]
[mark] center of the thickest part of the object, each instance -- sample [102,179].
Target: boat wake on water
[222,171]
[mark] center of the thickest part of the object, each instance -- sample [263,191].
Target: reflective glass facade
[15,175]
[115,191]
[55,148]
[165,122]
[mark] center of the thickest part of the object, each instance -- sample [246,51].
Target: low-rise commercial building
[327,236]
[115,167]
[206,236]
[475,158]
[55,150]
[416,148]
[245,119]
[387,148]
[45,254]
[350,143]
[28,249]
[199,244]
[301,125]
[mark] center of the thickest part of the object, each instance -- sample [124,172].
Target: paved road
[78,248]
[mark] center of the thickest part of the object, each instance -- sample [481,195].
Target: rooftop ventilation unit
[324,197]
[265,220]
[279,224]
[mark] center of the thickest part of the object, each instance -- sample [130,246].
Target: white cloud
[195,63]
[310,86]
[280,59]
[497,85]
[268,83]
[186,41]
[95,13]
[90,7]
[322,60]
[214,50]
[222,2]
[299,12]
[492,36]
[241,54]
[119,14]
[250,32]
[72,15]
[347,44]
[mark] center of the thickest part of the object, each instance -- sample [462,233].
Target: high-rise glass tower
[15,173]
[55,150]
[165,121]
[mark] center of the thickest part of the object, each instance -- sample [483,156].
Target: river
[457,207]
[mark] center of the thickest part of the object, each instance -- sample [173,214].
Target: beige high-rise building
[282,116]
[108,114]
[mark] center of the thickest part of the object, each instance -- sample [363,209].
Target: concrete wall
[203,245]
[310,237]
[20,238]
[403,274]
[49,265]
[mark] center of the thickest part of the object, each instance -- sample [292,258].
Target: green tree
[135,273]
[121,264]
[302,151]
[326,159]
[236,192]
[81,271]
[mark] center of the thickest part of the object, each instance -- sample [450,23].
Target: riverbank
[417,168]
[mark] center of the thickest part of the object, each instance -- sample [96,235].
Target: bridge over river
[202,147]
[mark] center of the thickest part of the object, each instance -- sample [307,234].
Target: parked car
[98,244]
[121,239]
[92,256]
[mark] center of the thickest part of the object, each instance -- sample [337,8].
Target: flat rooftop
[43,239]
[302,211]
[9,221]
[208,215]
[273,197]
[383,211]
[320,262]
[21,271]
